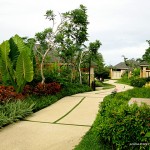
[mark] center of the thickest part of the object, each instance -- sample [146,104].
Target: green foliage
[17,110]
[91,142]
[16,63]
[24,69]
[124,79]
[121,125]
[136,72]
[139,82]
[102,71]
[14,111]
[146,56]
[133,80]
[5,63]
[73,88]
[98,84]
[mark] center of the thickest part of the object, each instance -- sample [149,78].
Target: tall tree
[72,37]
[67,37]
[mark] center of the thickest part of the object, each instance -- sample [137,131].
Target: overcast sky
[122,26]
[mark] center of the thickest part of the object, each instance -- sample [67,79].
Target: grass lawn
[91,141]
[104,85]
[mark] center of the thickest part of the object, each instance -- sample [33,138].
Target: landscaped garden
[37,72]
[118,125]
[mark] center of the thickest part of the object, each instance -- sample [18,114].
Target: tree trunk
[80,74]
[42,74]
[89,73]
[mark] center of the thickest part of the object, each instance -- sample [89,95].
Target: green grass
[108,86]
[91,141]
[104,85]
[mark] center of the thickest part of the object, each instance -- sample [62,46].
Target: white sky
[122,26]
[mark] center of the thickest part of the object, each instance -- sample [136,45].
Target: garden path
[59,126]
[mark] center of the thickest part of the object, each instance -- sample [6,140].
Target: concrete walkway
[57,127]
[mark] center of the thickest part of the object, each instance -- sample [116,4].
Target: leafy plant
[24,70]
[119,124]
[138,82]
[7,93]
[17,110]
[13,111]
[16,64]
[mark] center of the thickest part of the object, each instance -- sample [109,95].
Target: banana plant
[16,63]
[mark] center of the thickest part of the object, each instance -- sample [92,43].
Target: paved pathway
[57,127]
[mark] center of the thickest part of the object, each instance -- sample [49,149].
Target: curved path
[57,127]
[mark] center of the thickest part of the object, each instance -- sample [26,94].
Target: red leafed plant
[8,93]
[43,89]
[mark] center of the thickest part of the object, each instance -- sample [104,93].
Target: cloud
[114,56]
[121,25]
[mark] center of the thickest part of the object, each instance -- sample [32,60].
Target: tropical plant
[16,64]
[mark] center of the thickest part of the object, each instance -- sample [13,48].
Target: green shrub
[121,125]
[124,79]
[140,82]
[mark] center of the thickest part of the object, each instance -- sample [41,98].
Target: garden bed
[13,110]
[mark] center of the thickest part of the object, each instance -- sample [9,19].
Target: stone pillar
[144,72]
[91,75]
[111,73]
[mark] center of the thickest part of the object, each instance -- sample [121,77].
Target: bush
[140,82]
[42,89]
[121,125]
[124,79]
[7,93]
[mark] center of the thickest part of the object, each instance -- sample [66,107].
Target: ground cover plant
[118,125]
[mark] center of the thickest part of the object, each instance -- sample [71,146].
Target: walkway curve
[59,126]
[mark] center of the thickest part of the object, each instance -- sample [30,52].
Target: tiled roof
[144,63]
[121,65]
